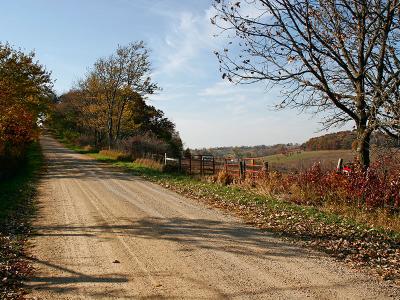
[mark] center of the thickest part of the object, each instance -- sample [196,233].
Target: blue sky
[69,35]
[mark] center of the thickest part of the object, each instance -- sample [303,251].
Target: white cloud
[190,35]
[219,89]
[237,99]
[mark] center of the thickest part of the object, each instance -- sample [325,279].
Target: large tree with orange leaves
[25,87]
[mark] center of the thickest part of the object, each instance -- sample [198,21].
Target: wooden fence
[209,165]
[253,167]
[199,164]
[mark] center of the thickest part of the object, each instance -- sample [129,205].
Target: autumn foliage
[16,130]
[24,90]
[108,108]
[345,140]
[377,187]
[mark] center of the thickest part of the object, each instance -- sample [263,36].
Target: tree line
[345,140]
[244,151]
[108,109]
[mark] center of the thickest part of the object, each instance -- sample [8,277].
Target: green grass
[305,159]
[132,167]
[322,154]
[63,138]
[16,192]
[75,148]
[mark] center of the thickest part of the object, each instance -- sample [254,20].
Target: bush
[140,146]
[89,148]
[70,136]
[224,178]
[84,140]
[274,183]
[375,188]
[17,132]
[171,168]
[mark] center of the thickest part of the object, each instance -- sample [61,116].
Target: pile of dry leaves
[13,267]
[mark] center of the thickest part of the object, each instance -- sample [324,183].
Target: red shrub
[17,129]
[376,187]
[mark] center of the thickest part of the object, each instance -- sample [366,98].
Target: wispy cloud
[219,89]
[235,99]
[191,35]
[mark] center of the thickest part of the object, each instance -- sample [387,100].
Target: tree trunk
[95,138]
[110,131]
[117,135]
[363,132]
[363,147]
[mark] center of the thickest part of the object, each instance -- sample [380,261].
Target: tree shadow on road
[190,234]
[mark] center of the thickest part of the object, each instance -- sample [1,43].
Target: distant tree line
[333,141]
[107,108]
[25,90]
[245,151]
[342,140]
[345,140]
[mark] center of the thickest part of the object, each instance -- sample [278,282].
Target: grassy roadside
[16,209]
[359,244]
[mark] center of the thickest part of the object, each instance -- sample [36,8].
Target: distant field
[303,160]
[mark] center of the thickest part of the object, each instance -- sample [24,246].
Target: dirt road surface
[103,234]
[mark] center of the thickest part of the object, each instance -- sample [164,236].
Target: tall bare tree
[338,57]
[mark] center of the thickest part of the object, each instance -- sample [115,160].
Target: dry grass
[117,155]
[377,218]
[224,178]
[286,188]
[89,148]
[149,163]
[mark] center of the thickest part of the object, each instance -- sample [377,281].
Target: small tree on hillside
[339,57]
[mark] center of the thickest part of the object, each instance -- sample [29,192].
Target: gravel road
[104,234]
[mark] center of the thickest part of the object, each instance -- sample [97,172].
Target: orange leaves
[17,128]
[25,87]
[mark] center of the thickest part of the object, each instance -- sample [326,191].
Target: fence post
[266,167]
[180,164]
[190,165]
[165,159]
[241,169]
[339,167]
[201,165]
[213,162]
